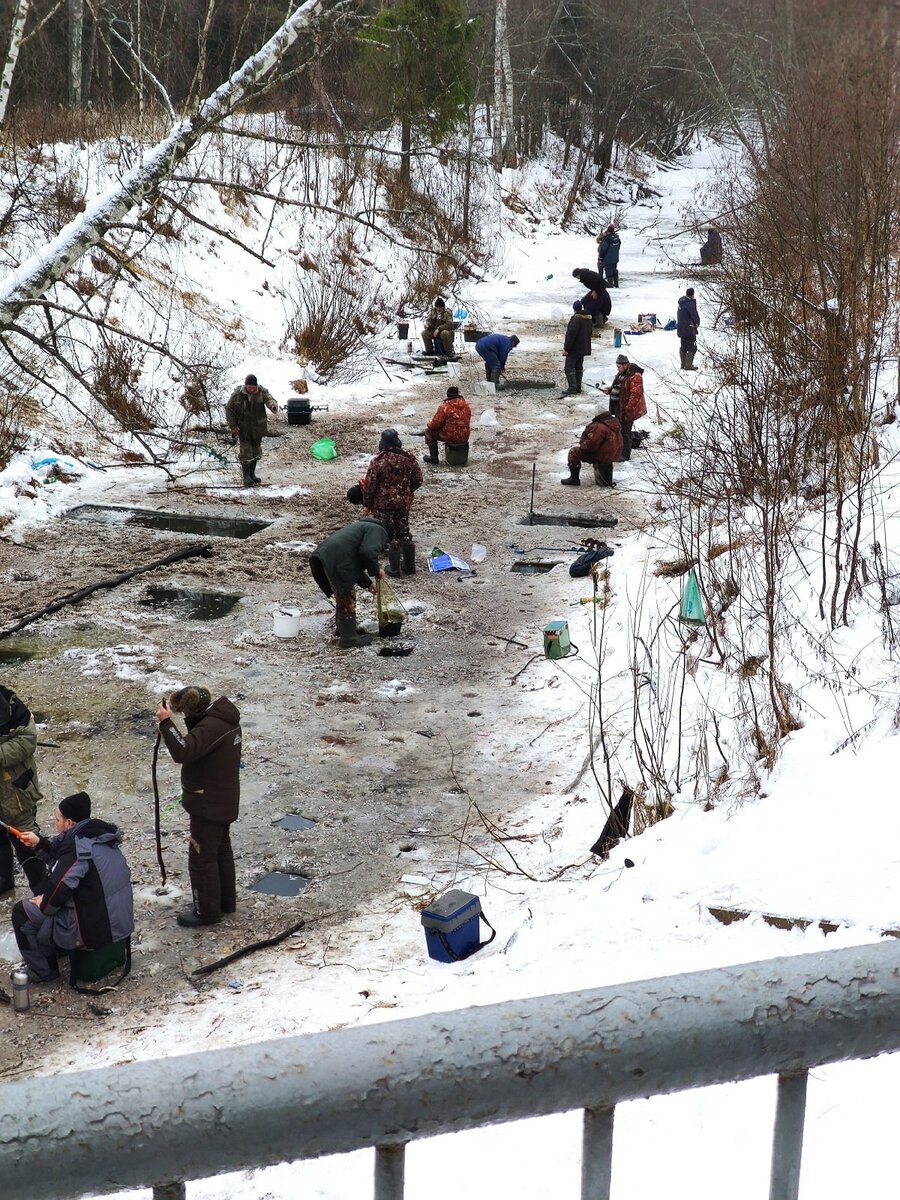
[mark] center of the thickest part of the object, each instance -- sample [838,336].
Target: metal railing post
[169,1191]
[596,1153]
[390,1161]
[787,1142]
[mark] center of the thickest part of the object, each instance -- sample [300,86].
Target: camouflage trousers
[249,451]
[396,522]
[345,605]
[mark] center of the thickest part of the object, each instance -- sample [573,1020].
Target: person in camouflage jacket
[437,335]
[450,424]
[245,413]
[387,492]
[19,791]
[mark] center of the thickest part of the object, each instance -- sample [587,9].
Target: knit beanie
[190,700]
[578,306]
[452,393]
[251,380]
[354,494]
[76,807]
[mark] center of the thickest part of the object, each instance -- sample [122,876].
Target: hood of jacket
[634,369]
[13,713]
[221,708]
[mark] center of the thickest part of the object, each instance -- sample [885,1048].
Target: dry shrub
[717,549]
[334,309]
[678,566]
[12,438]
[750,666]
[116,370]
[83,286]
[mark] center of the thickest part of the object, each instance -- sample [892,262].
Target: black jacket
[578,335]
[210,757]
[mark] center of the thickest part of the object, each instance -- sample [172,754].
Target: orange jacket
[451,422]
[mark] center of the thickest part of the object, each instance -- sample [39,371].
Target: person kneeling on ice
[387,493]
[450,424]
[86,902]
[210,758]
[494,349]
[601,444]
[340,564]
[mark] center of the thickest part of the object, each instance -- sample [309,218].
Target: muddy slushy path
[382,753]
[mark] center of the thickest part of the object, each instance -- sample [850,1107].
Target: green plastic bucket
[324,450]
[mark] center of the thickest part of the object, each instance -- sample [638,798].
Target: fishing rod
[156,829]
[17,833]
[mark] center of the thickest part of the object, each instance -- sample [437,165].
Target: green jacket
[19,791]
[247,414]
[350,555]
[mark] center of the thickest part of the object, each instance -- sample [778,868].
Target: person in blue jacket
[608,255]
[687,324]
[495,348]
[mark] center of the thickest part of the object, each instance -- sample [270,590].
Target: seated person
[711,250]
[437,335]
[600,443]
[86,901]
[449,424]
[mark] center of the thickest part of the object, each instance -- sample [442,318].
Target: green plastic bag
[691,609]
[324,450]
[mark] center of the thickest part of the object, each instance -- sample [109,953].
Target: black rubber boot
[393,568]
[689,360]
[247,473]
[409,558]
[432,455]
[253,475]
[191,919]
[579,375]
[498,383]
[572,389]
[348,637]
[682,354]
[574,479]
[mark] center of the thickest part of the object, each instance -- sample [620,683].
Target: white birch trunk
[76,37]
[504,134]
[38,273]
[20,16]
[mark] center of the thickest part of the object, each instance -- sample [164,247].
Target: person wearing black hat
[576,345]
[87,900]
[245,413]
[388,488]
[437,334]
[687,322]
[210,758]
[19,791]
[450,424]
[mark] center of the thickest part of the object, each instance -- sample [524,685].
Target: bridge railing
[163,1122]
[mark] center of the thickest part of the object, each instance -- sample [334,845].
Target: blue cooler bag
[451,926]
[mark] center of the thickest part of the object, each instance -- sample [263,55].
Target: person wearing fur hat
[576,346]
[437,335]
[345,560]
[450,424]
[19,791]
[210,757]
[245,413]
[86,901]
[388,488]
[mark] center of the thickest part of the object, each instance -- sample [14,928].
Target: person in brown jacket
[601,443]
[210,757]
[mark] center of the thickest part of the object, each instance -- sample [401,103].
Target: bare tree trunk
[38,273]
[76,36]
[504,99]
[20,16]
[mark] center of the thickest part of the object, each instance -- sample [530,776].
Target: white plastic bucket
[286,621]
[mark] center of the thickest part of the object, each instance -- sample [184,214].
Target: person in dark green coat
[245,413]
[344,561]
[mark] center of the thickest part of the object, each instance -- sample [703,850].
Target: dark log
[199,551]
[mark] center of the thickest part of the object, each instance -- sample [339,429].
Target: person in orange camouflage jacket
[387,493]
[449,424]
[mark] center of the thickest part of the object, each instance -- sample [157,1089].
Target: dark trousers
[34,937]
[688,343]
[573,362]
[211,869]
[34,868]
[627,427]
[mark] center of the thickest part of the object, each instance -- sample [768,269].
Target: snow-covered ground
[820,841]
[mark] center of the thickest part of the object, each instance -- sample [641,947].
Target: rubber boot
[253,475]
[432,455]
[498,383]
[572,389]
[689,360]
[348,637]
[579,375]
[574,479]
[682,354]
[247,473]
[393,568]
[409,558]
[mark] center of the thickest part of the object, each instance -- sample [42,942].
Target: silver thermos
[21,998]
